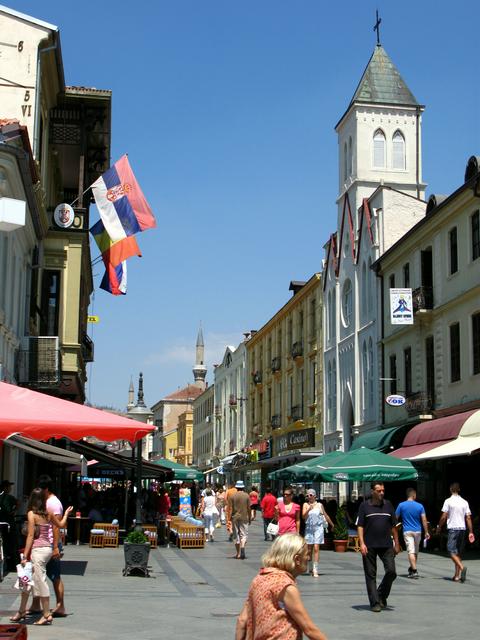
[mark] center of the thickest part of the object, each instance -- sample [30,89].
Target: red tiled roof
[190,392]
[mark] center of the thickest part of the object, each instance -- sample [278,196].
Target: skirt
[314,535]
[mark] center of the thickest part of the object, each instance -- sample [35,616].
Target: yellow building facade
[284,380]
[184,453]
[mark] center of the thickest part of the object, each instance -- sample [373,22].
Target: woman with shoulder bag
[316,522]
[38,548]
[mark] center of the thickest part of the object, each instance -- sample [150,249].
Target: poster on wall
[185,502]
[401,306]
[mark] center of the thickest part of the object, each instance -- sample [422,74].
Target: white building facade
[203,430]
[380,198]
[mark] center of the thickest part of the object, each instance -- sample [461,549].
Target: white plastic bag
[24,577]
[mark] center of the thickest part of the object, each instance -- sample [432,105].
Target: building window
[453,247]
[379,149]
[345,162]
[430,369]
[313,318]
[370,373]
[329,393]
[334,314]
[391,281]
[369,287]
[455,352]
[398,151]
[365,377]
[476,342]
[347,303]
[350,156]
[393,373]
[50,303]
[407,366]
[313,373]
[475,235]
[334,392]
[364,290]
[406,275]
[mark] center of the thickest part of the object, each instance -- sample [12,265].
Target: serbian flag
[115,279]
[121,203]
[114,252]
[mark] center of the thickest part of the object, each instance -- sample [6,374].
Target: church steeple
[200,370]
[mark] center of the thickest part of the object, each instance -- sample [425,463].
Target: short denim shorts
[456,541]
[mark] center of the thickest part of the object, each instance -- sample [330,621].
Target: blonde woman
[38,547]
[274,607]
[316,521]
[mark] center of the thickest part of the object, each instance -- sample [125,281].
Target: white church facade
[380,197]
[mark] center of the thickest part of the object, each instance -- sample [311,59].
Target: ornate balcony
[419,403]
[297,349]
[276,364]
[88,348]
[297,412]
[39,365]
[422,299]
[276,421]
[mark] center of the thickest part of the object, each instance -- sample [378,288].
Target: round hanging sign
[63,216]
[395,400]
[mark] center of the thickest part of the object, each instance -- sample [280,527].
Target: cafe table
[79,520]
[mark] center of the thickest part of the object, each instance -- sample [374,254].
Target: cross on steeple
[377,28]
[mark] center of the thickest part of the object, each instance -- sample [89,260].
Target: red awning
[430,435]
[40,416]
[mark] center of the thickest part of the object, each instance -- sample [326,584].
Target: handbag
[24,577]
[272,529]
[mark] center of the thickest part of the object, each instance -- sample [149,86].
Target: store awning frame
[383,440]
[46,451]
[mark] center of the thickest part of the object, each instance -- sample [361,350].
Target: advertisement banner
[185,502]
[401,306]
[297,439]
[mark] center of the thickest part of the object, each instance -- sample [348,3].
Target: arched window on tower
[370,373]
[398,151]
[329,317]
[364,285]
[345,162]
[379,149]
[350,156]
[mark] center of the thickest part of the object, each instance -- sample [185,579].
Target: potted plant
[136,549]
[340,530]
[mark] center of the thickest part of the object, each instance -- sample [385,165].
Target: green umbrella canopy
[302,471]
[180,470]
[365,465]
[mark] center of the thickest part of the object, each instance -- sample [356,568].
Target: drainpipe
[36,126]
[417,128]
[382,335]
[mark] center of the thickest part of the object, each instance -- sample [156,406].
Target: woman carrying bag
[209,513]
[316,521]
[38,549]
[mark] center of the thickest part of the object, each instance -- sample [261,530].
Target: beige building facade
[203,428]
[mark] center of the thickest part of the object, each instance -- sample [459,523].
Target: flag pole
[82,194]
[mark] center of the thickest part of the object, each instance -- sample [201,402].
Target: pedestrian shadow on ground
[74,567]
[366,607]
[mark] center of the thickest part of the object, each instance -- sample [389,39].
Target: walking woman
[209,513]
[221,502]
[254,505]
[287,513]
[274,607]
[38,548]
[316,521]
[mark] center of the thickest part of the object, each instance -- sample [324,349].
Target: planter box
[340,545]
[136,558]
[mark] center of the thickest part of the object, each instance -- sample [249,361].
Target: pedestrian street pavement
[197,593]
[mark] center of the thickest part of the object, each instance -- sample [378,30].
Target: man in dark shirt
[376,526]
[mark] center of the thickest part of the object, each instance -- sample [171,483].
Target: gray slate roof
[381,83]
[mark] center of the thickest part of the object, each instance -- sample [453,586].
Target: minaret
[131,396]
[200,370]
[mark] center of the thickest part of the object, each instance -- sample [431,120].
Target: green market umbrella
[365,465]
[180,470]
[302,471]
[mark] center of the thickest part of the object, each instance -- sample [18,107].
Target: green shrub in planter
[136,537]
[340,530]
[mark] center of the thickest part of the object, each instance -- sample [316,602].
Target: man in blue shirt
[412,516]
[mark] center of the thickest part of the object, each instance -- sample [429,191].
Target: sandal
[20,615]
[43,620]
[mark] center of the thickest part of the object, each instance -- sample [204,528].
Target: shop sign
[395,400]
[106,473]
[297,439]
[265,449]
[401,306]
[185,501]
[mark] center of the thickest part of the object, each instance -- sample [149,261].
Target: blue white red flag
[120,201]
[115,279]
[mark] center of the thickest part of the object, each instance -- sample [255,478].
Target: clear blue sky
[227,111]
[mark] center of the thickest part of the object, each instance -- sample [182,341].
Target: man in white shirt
[456,513]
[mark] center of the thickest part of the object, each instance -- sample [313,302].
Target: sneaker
[414,575]
[376,608]
[410,571]
[383,604]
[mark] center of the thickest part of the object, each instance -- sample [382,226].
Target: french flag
[115,279]
[120,201]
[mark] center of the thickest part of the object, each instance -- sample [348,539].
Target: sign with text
[401,306]
[297,439]
[185,502]
[93,319]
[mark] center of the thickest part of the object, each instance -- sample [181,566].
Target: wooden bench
[103,535]
[185,535]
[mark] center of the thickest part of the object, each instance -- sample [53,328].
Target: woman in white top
[209,513]
[316,521]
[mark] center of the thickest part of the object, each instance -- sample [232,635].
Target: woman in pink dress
[287,513]
[274,609]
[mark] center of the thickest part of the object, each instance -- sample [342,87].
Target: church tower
[200,370]
[131,396]
[379,136]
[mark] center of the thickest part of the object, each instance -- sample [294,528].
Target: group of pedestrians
[274,609]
